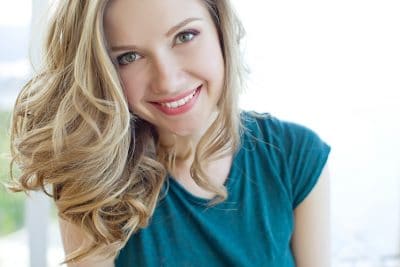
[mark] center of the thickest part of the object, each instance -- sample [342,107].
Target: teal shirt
[275,168]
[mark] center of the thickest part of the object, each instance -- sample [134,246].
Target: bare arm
[72,239]
[311,238]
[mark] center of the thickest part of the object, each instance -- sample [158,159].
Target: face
[169,60]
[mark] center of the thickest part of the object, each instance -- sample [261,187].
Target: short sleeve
[306,155]
[294,154]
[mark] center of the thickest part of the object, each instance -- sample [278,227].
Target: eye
[127,58]
[185,36]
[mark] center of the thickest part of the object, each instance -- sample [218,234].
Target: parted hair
[73,135]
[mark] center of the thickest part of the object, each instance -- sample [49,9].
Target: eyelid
[186,31]
[192,31]
[121,55]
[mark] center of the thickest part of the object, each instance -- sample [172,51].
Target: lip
[182,109]
[176,98]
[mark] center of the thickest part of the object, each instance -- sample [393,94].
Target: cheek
[211,63]
[133,87]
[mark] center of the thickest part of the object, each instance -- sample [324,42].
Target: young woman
[133,124]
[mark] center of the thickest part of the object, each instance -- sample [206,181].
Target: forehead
[124,18]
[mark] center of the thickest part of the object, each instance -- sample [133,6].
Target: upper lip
[175,98]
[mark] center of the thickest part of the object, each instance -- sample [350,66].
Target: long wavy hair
[74,138]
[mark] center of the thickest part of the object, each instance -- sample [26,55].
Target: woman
[134,123]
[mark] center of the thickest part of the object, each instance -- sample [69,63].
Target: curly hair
[72,130]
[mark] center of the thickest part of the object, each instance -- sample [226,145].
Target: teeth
[180,102]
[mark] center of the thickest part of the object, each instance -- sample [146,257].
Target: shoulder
[281,132]
[297,152]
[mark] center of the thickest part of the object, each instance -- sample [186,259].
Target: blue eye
[186,36]
[127,58]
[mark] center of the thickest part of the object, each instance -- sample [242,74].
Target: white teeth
[180,102]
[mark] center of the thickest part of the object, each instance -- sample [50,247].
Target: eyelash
[192,32]
[123,56]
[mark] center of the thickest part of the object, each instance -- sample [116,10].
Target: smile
[180,104]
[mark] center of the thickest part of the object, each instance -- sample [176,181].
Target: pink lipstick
[179,104]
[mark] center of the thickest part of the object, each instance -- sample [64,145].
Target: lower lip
[182,109]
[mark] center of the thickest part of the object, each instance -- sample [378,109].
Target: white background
[335,67]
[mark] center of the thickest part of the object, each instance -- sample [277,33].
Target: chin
[185,129]
[185,132]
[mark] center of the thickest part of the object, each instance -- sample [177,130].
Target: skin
[170,60]
[164,58]
[311,238]
[164,61]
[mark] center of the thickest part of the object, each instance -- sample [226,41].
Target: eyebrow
[169,33]
[180,25]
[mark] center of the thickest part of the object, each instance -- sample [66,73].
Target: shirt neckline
[178,188]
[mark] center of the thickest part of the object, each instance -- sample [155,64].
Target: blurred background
[333,66]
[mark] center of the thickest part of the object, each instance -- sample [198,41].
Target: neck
[184,146]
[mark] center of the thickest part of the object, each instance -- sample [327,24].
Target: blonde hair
[72,130]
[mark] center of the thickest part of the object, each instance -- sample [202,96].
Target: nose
[166,74]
